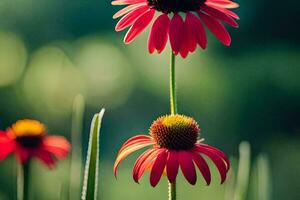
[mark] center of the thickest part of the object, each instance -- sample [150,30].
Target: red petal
[219,15]
[127,9]
[130,18]
[57,145]
[134,140]
[139,25]
[172,166]
[45,157]
[7,145]
[159,34]
[220,164]
[139,162]
[216,28]
[197,29]
[148,163]
[158,168]
[227,12]
[176,33]
[22,154]
[222,3]
[216,151]
[125,2]
[187,166]
[203,167]
[127,151]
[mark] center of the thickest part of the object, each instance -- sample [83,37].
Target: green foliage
[90,182]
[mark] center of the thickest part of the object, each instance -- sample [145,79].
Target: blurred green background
[51,50]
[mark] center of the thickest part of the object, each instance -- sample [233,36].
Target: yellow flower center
[28,128]
[175,132]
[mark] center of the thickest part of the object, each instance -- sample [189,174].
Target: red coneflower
[27,138]
[175,144]
[185,30]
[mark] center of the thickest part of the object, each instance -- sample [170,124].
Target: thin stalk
[173,105]
[23,181]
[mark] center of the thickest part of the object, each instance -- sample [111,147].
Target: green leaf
[90,181]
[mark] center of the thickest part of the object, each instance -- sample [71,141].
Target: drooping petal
[158,168]
[127,151]
[203,167]
[216,151]
[216,28]
[176,33]
[187,166]
[227,12]
[138,163]
[57,145]
[125,2]
[222,3]
[135,140]
[148,163]
[130,18]
[139,25]
[45,157]
[219,15]
[220,164]
[159,34]
[22,154]
[7,145]
[172,166]
[197,29]
[127,9]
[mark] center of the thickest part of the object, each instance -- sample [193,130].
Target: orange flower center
[176,132]
[28,133]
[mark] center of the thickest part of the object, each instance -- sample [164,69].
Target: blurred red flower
[184,35]
[175,144]
[27,138]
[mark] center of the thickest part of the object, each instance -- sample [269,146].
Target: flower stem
[173,98]
[23,181]
[172,191]
[173,105]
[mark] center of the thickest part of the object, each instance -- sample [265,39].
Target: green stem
[23,181]
[173,98]
[173,104]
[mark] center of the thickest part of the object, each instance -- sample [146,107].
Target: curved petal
[45,157]
[139,25]
[220,164]
[22,154]
[176,33]
[7,145]
[187,166]
[134,140]
[197,29]
[148,163]
[127,151]
[57,145]
[222,3]
[216,28]
[125,2]
[172,166]
[203,167]
[159,34]
[158,168]
[219,15]
[227,12]
[128,9]
[130,18]
[139,162]
[216,151]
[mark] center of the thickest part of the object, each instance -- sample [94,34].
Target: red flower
[175,144]
[27,138]
[184,35]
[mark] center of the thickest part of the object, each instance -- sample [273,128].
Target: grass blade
[263,175]
[90,182]
[243,173]
[76,156]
